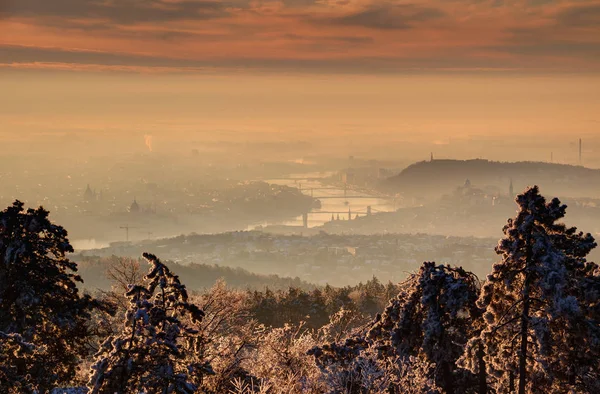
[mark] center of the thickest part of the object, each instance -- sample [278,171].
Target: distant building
[89,195]
[135,207]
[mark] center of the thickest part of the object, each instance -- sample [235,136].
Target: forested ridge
[531,326]
[197,276]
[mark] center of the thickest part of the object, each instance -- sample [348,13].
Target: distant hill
[194,276]
[436,177]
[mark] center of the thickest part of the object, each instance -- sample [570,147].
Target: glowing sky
[334,36]
[463,78]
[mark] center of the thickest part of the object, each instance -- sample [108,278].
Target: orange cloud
[301,35]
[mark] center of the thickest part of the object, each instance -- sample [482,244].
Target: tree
[17,356]
[282,362]
[418,338]
[232,332]
[541,304]
[371,301]
[123,272]
[340,355]
[431,319]
[150,354]
[40,304]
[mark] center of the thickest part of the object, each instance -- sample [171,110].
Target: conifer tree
[150,355]
[16,357]
[541,303]
[40,304]
[431,319]
[419,336]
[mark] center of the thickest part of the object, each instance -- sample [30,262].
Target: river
[333,201]
[310,184]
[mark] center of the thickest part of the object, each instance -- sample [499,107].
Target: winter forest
[299,196]
[531,326]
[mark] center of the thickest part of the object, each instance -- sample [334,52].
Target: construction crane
[126,228]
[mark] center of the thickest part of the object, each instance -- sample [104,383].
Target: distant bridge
[349,197]
[334,212]
[368,193]
[314,179]
[349,212]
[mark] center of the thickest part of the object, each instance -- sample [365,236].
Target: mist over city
[322,197]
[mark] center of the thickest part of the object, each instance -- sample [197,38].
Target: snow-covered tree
[40,304]
[341,325]
[18,361]
[281,361]
[418,338]
[231,337]
[431,319]
[150,354]
[541,305]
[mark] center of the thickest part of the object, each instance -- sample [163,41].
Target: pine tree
[18,356]
[371,295]
[431,320]
[318,315]
[541,304]
[40,304]
[418,338]
[150,355]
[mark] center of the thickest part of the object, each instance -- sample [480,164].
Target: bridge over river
[347,201]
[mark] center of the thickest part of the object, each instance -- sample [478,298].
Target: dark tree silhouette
[18,356]
[39,298]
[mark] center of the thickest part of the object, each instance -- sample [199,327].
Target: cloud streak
[580,16]
[388,16]
[357,36]
[116,11]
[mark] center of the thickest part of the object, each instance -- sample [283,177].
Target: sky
[335,36]
[430,73]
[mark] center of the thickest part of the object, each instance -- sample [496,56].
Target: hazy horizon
[499,117]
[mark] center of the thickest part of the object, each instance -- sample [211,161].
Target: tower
[135,207]
[511,191]
[431,158]
[580,155]
[89,195]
